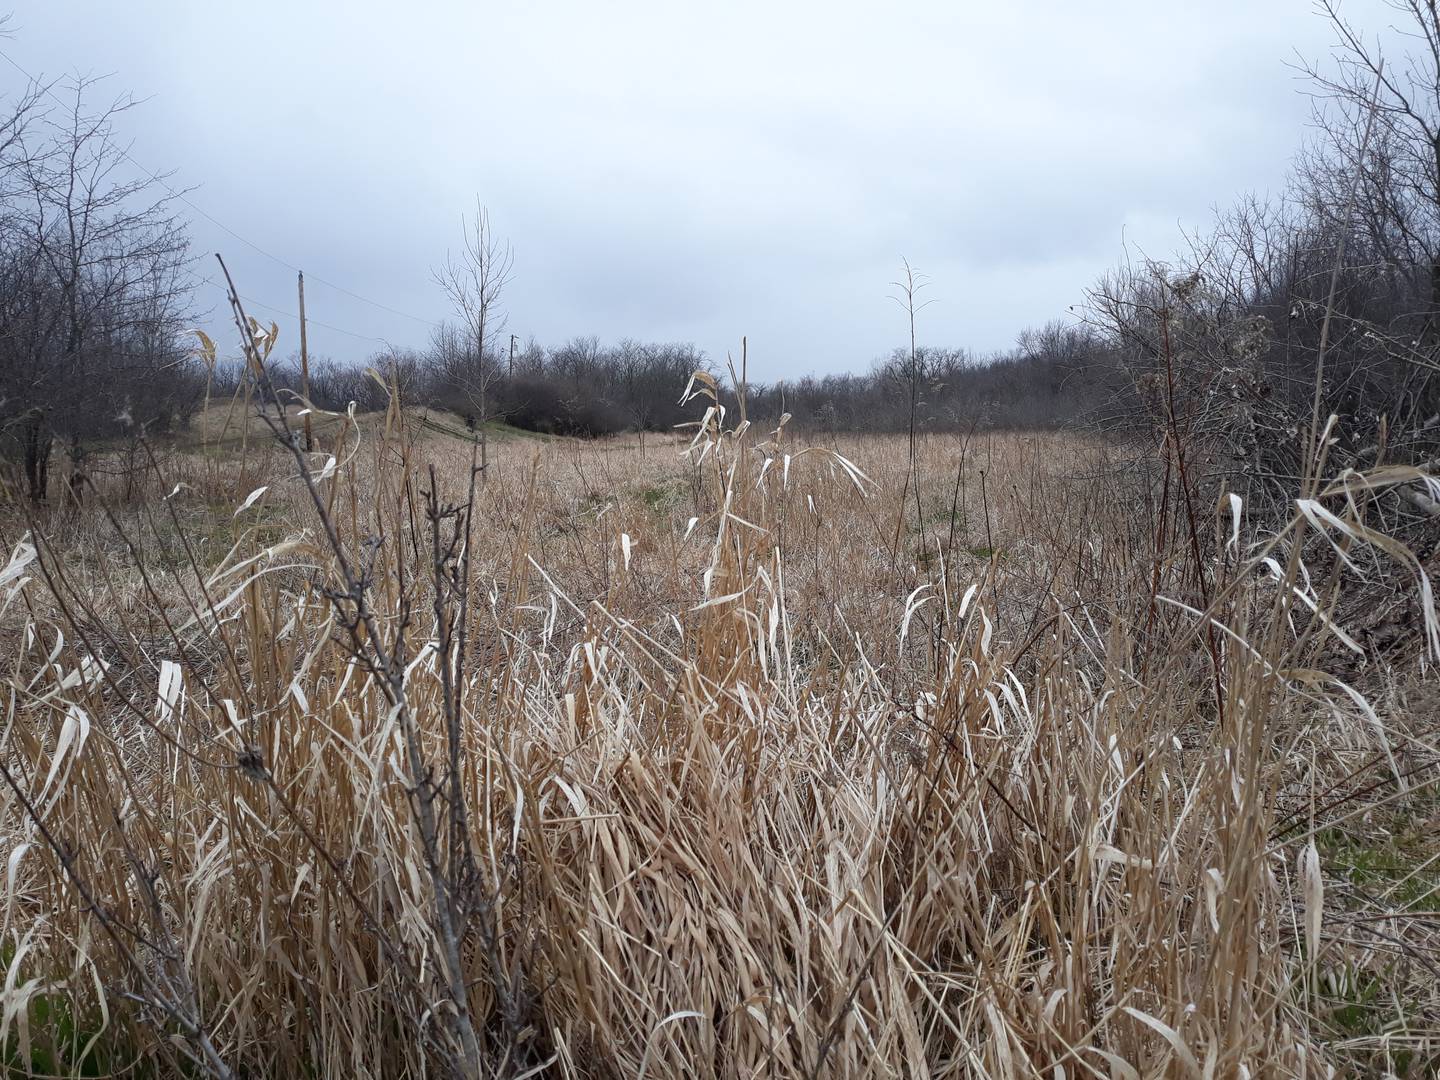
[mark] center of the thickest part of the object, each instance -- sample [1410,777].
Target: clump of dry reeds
[585,766]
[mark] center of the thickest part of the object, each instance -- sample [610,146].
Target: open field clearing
[744,757]
[904,548]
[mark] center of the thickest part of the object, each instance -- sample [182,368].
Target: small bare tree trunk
[484,437]
[37,443]
[305,371]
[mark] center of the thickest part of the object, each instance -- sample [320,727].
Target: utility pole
[512,356]
[305,369]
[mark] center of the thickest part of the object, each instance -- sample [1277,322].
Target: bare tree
[912,370]
[1397,165]
[92,313]
[474,279]
[22,417]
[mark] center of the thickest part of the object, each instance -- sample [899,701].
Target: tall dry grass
[738,757]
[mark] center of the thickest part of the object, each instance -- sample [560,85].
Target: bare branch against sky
[664,171]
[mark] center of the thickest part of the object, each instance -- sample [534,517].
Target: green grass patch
[1401,871]
[60,1042]
[1390,863]
[666,495]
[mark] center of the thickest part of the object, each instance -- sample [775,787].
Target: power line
[288,314]
[156,178]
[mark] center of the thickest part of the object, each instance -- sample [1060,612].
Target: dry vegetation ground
[775,764]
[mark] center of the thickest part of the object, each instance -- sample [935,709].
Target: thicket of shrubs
[582,388]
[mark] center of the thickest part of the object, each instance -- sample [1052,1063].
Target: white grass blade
[250,500]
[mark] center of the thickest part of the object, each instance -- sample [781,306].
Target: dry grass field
[740,757]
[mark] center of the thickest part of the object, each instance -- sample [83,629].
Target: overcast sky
[696,171]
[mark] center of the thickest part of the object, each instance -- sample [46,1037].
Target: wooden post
[305,369]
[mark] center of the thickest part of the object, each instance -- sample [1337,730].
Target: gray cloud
[700,171]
